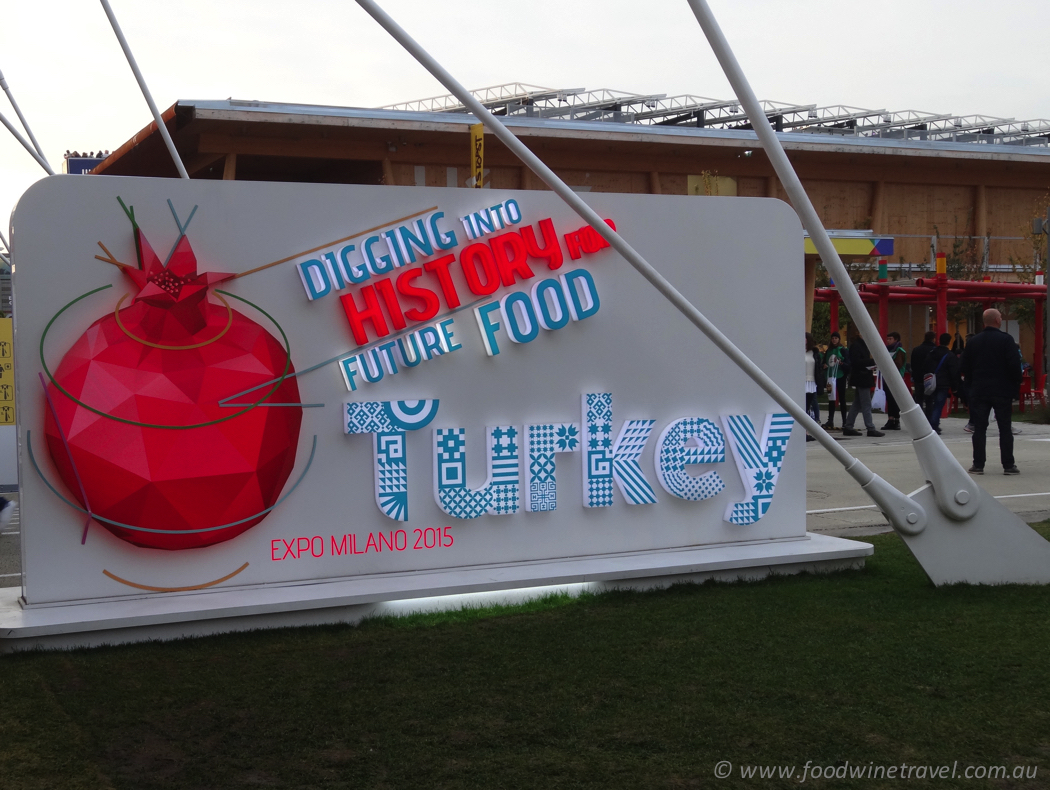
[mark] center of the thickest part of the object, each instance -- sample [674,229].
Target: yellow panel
[7,373]
[709,184]
[845,246]
[854,246]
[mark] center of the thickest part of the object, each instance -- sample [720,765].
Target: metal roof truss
[579,104]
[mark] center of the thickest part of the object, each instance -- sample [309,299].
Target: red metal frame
[940,292]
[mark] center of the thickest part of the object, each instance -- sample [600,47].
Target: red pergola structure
[939,292]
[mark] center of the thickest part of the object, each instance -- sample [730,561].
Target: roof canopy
[580,104]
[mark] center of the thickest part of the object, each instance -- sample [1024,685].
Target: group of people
[986,372]
[833,370]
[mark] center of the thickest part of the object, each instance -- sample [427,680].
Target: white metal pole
[27,145]
[161,127]
[957,494]
[1046,302]
[904,513]
[22,118]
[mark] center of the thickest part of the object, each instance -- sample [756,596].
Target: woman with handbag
[836,368]
[814,377]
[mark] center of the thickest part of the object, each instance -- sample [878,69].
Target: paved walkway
[829,488]
[846,508]
[11,550]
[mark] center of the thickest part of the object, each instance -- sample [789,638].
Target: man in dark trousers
[862,379]
[991,364]
[944,366]
[919,354]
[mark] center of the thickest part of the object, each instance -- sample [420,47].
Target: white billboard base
[201,613]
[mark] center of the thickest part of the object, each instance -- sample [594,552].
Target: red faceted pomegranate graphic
[153,447]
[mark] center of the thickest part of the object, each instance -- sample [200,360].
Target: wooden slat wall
[909,211]
[841,204]
[751,187]
[1009,214]
[610,181]
[674,183]
[917,209]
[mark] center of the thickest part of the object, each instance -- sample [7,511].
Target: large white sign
[252,387]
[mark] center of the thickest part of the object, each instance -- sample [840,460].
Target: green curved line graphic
[97,517]
[60,388]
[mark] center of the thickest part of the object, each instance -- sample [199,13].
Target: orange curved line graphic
[229,323]
[147,587]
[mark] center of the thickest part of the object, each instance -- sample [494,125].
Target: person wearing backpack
[941,379]
[918,369]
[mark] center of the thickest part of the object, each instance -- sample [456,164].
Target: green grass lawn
[624,690]
[1033,413]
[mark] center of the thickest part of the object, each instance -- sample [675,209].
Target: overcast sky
[67,72]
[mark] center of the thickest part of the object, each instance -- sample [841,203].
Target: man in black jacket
[919,355]
[862,379]
[991,364]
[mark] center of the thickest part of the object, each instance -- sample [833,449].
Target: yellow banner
[711,184]
[7,372]
[477,153]
[846,247]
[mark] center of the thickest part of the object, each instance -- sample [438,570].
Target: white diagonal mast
[905,514]
[161,127]
[956,493]
[22,118]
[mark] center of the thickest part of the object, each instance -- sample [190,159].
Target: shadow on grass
[621,689]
